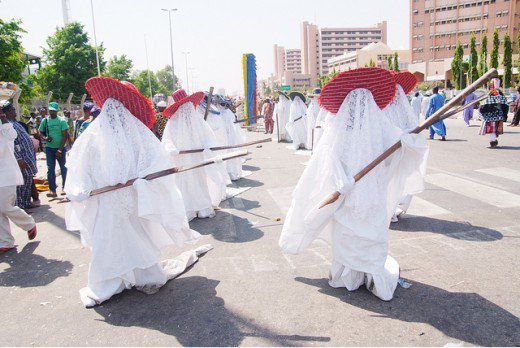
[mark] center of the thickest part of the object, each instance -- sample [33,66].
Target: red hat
[407,80]
[101,88]
[181,97]
[379,81]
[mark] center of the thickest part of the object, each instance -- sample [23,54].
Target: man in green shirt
[55,131]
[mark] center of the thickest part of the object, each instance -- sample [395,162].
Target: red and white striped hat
[379,82]
[181,97]
[406,80]
[101,88]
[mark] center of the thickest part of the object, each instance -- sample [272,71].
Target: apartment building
[376,52]
[436,26]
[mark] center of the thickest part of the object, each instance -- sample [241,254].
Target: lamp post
[171,42]
[187,80]
[95,40]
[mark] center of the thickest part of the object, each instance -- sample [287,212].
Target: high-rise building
[336,41]
[436,26]
[317,47]
[293,60]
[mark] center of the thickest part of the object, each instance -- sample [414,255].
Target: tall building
[293,60]
[377,53]
[317,47]
[436,26]
[336,41]
[310,44]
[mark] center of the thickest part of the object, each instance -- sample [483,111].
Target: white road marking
[479,192]
[421,207]
[503,173]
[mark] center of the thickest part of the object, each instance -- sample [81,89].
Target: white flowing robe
[311,117]
[297,125]
[281,117]
[401,114]
[125,228]
[357,223]
[201,188]
[235,136]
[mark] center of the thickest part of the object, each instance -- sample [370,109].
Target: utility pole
[187,80]
[95,40]
[171,43]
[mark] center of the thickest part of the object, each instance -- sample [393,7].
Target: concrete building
[279,60]
[377,52]
[293,60]
[310,44]
[337,41]
[437,25]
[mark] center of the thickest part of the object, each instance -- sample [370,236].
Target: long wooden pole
[166,172]
[436,117]
[218,148]
[208,104]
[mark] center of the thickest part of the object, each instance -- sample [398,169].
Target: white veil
[311,117]
[115,148]
[281,117]
[400,113]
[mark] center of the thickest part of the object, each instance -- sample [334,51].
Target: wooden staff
[208,104]
[436,117]
[166,172]
[218,148]
[277,127]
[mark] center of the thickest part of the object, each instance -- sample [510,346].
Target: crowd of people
[121,138]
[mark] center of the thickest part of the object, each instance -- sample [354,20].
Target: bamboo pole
[219,148]
[169,171]
[436,117]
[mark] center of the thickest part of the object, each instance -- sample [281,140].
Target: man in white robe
[356,224]
[297,125]
[281,117]
[127,227]
[203,188]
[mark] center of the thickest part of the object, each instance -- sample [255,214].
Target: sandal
[52,194]
[31,234]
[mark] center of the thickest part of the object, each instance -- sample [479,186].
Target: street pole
[187,80]
[171,42]
[95,39]
[148,69]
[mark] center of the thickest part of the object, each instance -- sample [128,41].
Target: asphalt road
[458,246]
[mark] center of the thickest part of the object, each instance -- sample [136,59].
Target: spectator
[267,111]
[161,121]
[94,112]
[25,155]
[55,132]
[516,118]
[11,177]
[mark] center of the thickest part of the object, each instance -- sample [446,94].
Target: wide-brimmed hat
[283,93]
[101,88]
[293,95]
[406,80]
[380,82]
[180,97]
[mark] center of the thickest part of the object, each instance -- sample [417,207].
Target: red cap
[406,80]
[101,88]
[180,97]
[379,82]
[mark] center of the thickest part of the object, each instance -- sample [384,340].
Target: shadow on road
[250,168]
[228,228]
[245,182]
[30,270]
[467,317]
[190,310]
[508,147]
[453,229]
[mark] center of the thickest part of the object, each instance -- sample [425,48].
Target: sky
[215,33]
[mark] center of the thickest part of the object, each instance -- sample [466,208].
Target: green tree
[140,80]
[508,61]
[371,63]
[494,51]
[473,56]
[119,67]
[11,51]
[482,66]
[396,62]
[456,66]
[165,78]
[71,61]
[389,61]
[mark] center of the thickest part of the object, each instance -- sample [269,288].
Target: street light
[171,42]
[193,84]
[187,80]
[95,40]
